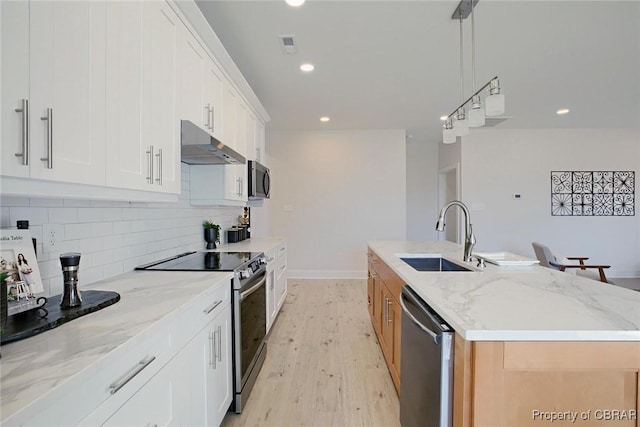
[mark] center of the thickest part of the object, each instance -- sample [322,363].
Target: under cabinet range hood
[199,147]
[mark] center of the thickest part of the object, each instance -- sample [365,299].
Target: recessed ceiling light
[294,3]
[307,67]
[324,119]
[443,118]
[562,111]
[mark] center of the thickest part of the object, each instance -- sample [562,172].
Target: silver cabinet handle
[213,119]
[49,119]
[212,349]
[150,164]
[159,171]
[219,343]
[207,108]
[24,109]
[212,307]
[386,310]
[389,302]
[117,385]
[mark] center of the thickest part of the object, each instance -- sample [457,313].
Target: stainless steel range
[248,309]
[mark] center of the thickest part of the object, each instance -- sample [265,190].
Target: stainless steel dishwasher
[426,377]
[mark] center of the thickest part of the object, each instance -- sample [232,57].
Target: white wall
[498,163]
[331,193]
[422,190]
[113,237]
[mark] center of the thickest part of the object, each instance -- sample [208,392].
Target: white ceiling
[395,64]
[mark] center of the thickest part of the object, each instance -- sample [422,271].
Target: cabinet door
[229,99]
[281,281]
[152,405]
[219,384]
[205,385]
[271,296]
[390,333]
[213,88]
[260,142]
[14,88]
[67,89]
[161,132]
[128,163]
[191,97]
[251,136]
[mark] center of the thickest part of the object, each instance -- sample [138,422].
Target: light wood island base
[537,384]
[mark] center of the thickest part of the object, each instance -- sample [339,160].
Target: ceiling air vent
[288,44]
[494,121]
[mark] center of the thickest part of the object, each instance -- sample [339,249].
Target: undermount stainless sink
[432,263]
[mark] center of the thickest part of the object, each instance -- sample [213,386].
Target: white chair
[548,259]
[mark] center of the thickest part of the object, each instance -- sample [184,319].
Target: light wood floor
[324,366]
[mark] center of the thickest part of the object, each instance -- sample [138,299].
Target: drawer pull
[114,387]
[212,307]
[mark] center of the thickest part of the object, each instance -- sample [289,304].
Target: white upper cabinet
[161,129]
[229,100]
[191,96]
[142,132]
[255,138]
[98,79]
[14,88]
[213,86]
[55,60]
[127,162]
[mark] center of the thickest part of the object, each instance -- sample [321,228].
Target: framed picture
[19,272]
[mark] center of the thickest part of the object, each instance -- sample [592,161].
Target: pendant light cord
[461,65]
[473,48]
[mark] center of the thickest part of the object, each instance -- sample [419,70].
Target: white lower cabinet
[180,375]
[152,405]
[205,383]
[276,281]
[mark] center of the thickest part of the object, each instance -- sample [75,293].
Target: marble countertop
[36,365]
[524,303]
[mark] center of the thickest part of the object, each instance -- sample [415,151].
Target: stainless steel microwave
[259,181]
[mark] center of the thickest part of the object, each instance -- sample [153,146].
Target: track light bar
[472,96]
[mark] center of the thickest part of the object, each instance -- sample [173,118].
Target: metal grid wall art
[596,193]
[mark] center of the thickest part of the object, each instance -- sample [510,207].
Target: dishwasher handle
[435,335]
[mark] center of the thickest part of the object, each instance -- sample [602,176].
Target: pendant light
[448,134]
[460,120]
[495,101]
[476,115]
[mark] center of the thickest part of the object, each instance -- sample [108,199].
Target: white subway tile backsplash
[113,237]
[89,214]
[10,201]
[35,216]
[63,215]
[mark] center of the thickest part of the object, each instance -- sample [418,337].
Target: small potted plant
[211,233]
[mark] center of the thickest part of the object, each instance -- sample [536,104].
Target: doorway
[449,189]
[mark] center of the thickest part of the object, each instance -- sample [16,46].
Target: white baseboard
[326,274]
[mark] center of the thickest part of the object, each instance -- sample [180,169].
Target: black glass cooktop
[202,261]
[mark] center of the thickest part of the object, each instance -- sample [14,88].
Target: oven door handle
[253,288]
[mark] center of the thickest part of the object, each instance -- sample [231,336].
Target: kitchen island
[531,343]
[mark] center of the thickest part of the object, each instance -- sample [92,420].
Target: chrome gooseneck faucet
[469,238]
